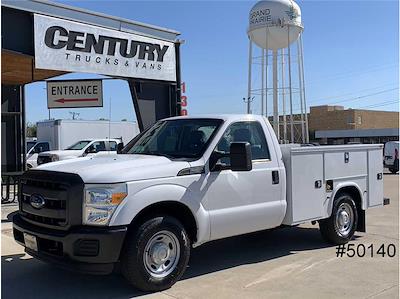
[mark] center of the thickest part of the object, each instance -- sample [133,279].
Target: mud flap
[361,226]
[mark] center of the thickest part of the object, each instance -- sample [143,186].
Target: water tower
[276,67]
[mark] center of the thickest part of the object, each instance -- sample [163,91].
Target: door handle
[275,177]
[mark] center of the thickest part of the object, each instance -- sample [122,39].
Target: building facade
[335,125]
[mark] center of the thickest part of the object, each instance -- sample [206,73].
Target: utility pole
[45,88]
[74,114]
[248,102]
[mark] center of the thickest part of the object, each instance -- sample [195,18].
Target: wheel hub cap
[162,253]
[159,253]
[344,219]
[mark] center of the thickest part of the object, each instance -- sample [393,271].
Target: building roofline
[356,133]
[81,15]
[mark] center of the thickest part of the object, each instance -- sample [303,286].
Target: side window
[99,146]
[42,147]
[250,132]
[113,146]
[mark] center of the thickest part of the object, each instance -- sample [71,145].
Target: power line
[348,93]
[359,97]
[381,104]
[367,95]
[352,73]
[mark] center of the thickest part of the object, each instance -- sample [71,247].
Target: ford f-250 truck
[186,181]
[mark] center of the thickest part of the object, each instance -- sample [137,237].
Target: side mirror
[240,156]
[120,146]
[38,150]
[91,150]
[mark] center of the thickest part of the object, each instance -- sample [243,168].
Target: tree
[31,130]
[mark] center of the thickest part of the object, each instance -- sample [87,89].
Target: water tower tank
[280,20]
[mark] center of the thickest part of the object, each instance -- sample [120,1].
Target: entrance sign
[74,94]
[76,47]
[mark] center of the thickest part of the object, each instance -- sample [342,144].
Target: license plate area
[30,241]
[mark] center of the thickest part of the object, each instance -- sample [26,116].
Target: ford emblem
[37,201]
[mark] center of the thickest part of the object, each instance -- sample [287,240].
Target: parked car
[187,181]
[34,148]
[82,148]
[61,133]
[391,156]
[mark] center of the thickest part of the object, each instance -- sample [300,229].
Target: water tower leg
[249,76]
[283,97]
[262,81]
[304,88]
[275,91]
[266,72]
[303,133]
[290,92]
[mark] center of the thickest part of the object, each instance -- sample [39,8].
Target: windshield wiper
[156,154]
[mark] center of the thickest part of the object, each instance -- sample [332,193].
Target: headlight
[101,201]
[54,158]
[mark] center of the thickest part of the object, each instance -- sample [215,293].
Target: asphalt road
[281,263]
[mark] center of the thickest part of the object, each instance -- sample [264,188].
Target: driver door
[239,202]
[96,148]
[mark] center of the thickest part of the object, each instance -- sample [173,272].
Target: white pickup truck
[186,181]
[82,148]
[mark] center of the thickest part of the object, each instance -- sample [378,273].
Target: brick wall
[366,119]
[336,118]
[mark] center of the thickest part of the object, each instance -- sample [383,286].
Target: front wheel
[340,227]
[155,256]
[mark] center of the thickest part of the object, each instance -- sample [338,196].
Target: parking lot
[281,263]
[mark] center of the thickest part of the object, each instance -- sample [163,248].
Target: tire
[395,168]
[340,227]
[166,237]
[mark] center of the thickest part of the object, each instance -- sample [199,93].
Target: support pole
[283,97]
[275,91]
[304,88]
[249,77]
[266,72]
[300,92]
[262,81]
[290,92]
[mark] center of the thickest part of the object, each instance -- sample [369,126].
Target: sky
[351,56]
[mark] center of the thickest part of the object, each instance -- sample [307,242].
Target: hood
[115,168]
[63,154]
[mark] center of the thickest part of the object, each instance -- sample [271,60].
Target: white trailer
[62,133]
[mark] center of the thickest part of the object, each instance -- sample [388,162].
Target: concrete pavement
[281,263]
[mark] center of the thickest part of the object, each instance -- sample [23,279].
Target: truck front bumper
[92,250]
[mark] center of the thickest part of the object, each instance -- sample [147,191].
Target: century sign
[71,46]
[74,94]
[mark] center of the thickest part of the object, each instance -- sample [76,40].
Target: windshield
[79,145]
[179,138]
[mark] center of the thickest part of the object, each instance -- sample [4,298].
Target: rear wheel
[340,227]
[155,256]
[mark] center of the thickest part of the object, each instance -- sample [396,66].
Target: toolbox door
[375,178]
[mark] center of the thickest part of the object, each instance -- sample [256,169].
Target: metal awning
[357,133]
[93,18]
